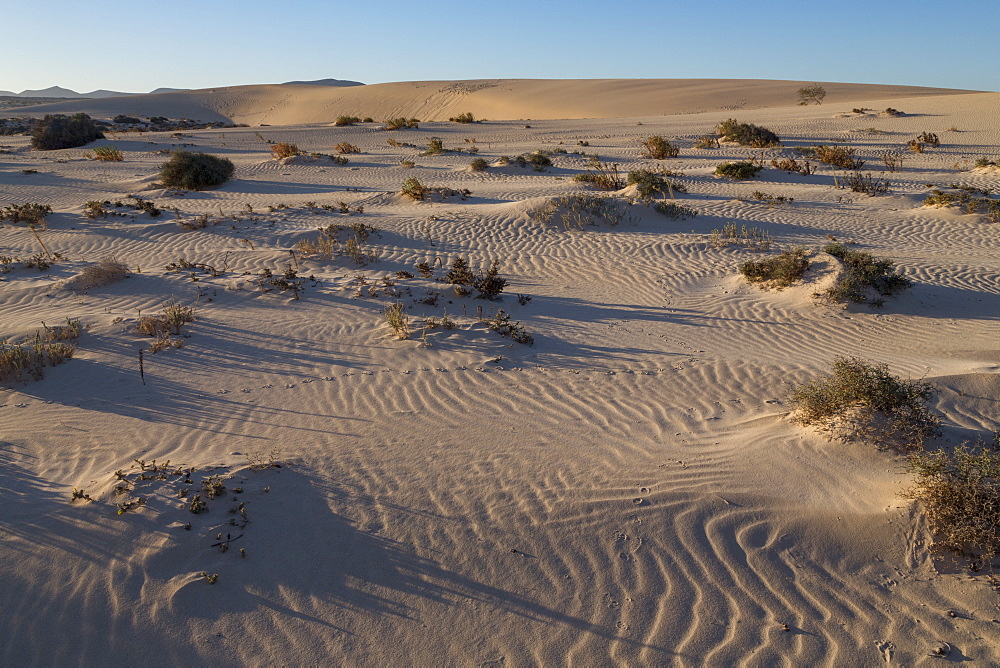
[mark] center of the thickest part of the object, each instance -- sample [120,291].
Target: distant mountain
[54,91]
[167,90]
[7,93]
[327,82]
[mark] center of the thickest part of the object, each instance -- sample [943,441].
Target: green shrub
[674,211]
[960,493]
[195,171]
[30,213]
[779,271]
[434,147]
[738,170]
[478,165]
[659,148]
[707,141]
[863,272]
[538,160]
[648,184]
[746,134]
[604,175]
[122,119]
[414,189]
[860,400]
[60,131]
[106,154]
[985,162]
[284,150]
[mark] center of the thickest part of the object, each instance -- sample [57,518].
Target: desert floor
[627,489]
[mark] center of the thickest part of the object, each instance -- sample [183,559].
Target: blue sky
[136,46]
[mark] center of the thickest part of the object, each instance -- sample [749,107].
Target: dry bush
[791,165]
[659,148]
[467,117]
[105,271]
[345,147]
[838,156]
[170,321]
[811,94]
[754,238]
[603,175]
[106,154]
[960,493]
[284,150]
[862,401]
[401,123]
[397,319]
[892,160]
[779,271]
[195,171]
[707,141]
[346,120]
[929,138]
[44,349]
[31,213]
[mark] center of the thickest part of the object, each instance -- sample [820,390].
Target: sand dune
[489,98]
[627,490]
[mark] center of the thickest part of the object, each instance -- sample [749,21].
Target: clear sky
[136,45]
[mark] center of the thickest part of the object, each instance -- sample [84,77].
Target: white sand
[627,490]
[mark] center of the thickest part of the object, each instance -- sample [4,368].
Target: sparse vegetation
[707,141]
[738,170]
[467,117]
[746,134]
[603,175]
[195,171]
[401,124]
[648,184]
[791,165]
[414,189]
[282,150]
[582,210]
[396,318]
[673,210]
[779,271]
[811,94]
[478,165]
[659,148]
[929,138]
[346,148]
[60,131]
[105,271]
[965,198]
[863,273]
[434,147]
[862,401]
[106,154]
[44,348]
[863,182]
[501,324]
[753,238]
[30,213]
[838,156]
[346,120]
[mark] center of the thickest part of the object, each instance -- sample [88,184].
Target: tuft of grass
[659,148]
[44,348]
[284,150]
[401,123]
[779,271]
[397,319]
[862,401]
[648,184]
[582,210]
[964,198]
[754,238]
[434,147]
[195,171]
[863,272]
[707,141]
[674,211]
[501,324]
[738,170]
[172,318]
[106,154]
[960,493]
[861,182]
[746,134]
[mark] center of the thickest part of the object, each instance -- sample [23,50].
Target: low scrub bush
[397,319]
[707,141]
[838,156]
[863,182]
[753,238]
[106,154]
[345,147]
[889,111]
[401,124]
[346,120]
[538,160]
[863,273]
[965,199]
[674,211]
[105,271]
[284,150]
[986,162]
[738,170]
[811,95]
[960,494]
[603,175]
[414,189]
[30,213]
[746,134]
[779,271]
[173,316]
[434,147]
[791,165]
[501,324]
[582,210]
[478,165]
[929,138]
[772,200]
[45,348]
[467,117]
[648,184]
[60,131]
[195,171]
[659,148]
[862,401]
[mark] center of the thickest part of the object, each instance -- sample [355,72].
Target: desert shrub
[106,154]
[861,400]
[346,120]
[60,131]
[746,134]
[811,94]
[478,165]
[368,119]
[18,360]
[171,319]
[409,164]
[105,271]
[195,171]
[738,170]
[648,184]
[659,148]
[434,147]
[396,318]
[489,284]
[603,175]
[501,324]
[338,159]
[863,272]
[985,162]
[707,141]
[30,213]
[929,138]
[915,146]
[892,160]
[400,123]
[779,271]
[345,147]
[838,156]
[674,211]
[862,182]
[414,189]
[965,199]
[582,210]
[889,111]
[754,238]
[538,160]
[467,117]
[772,200]
[791,165]
[122,119]
[284,150]
[960,493]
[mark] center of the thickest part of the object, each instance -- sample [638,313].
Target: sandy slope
[493,98]
[626,490]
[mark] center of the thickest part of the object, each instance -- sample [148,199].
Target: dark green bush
[648,184]
[126,120]
[746,134]
[779,271]
[60,131]
[863,272]
[195,171]
[478,165]
[738,170]
[863,401]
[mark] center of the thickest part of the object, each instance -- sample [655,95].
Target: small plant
[414,189]
[738,170]
[345,147]
[346,120]
[106,154]
[31,213]
[213,486]
[409,164]
[602,175]
[489,284]
[397,319]
[284,150]
[915,145]
[401,123]
[288,281]
[863,272]
[467,117]
[753,238]
[59,131]
[195,171]
[779,271]
[960,493]
[985,162]
[811,94]
[862,401]
[105,271]
[965,199]
[659,148]
[501,324]
[772,200]
[929,138]
[582,210]
[434,147]
[889,111]
[892,160]
[839,156]
[791,165]
[746,134]
[478,165]
[863,183]
[707,141]
[30,358]
[211,579]
[674,211]
[649,184]
[170,321]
